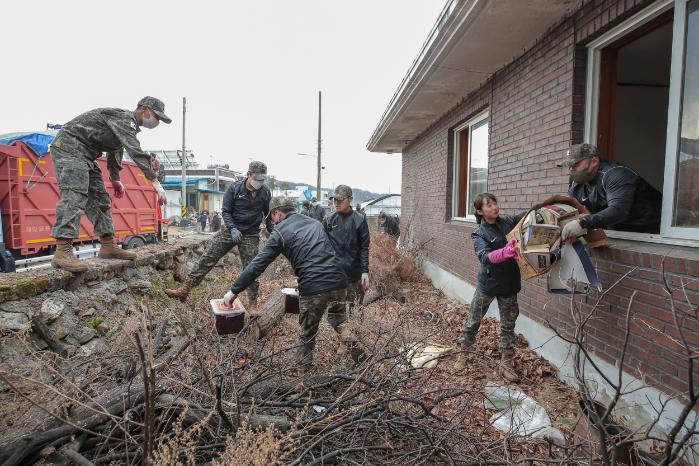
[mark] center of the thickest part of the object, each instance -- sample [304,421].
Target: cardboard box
[541,235]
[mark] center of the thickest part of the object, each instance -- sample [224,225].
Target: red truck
[29,194]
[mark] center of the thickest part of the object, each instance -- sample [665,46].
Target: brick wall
[536,112]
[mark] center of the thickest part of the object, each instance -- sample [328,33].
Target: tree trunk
[270,314]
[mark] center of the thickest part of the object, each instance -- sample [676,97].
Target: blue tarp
[38,141]
[178,179]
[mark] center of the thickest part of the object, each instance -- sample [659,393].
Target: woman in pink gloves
[498,278]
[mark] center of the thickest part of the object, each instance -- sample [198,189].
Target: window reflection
[478,172]
[686,212]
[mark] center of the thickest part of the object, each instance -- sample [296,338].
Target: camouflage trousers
[217,247]
[82,189]
[355,294]
[509,310]
[311,311]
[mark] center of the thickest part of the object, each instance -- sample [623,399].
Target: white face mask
[257,184]
[150,122]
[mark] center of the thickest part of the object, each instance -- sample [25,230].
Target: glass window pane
[686,212]
[478,170]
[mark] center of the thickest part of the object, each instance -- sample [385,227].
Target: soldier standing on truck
[245,205]
[75,151]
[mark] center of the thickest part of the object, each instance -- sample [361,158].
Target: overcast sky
[250,70]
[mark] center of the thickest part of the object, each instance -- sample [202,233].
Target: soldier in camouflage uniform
[75,151]
[349,233]
[245,205]
[322,281]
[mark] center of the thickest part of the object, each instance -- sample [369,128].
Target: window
[642,104]
[686,209]
[470,165]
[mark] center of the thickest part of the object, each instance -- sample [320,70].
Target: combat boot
[507,367]
[64,259]
[180,293]
[110,250]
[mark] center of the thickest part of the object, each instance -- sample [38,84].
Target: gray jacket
[303,241]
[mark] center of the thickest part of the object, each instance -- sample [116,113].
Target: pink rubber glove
[501,255]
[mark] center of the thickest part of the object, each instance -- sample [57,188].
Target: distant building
[304,192]
[205,189]
[171,159]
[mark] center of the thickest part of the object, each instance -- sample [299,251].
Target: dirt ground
[386,327]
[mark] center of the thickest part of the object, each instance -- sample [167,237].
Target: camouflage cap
[342,192]
[578,152]
[279,202]
[257,168]
[157,106]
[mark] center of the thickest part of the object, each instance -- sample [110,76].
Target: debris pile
[167,389]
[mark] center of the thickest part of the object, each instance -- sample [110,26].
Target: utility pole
[318,192]
[183,202]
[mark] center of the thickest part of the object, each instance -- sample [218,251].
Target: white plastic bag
[519,414]
[425,356]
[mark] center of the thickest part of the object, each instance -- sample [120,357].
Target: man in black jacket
[616,195]
[216,222]
[389,224]
[316,210]
[322,282]
[349,233]
[245,205]
[306,208]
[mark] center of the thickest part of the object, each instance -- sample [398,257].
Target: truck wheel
[133,242]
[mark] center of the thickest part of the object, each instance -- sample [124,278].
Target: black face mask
[582,175]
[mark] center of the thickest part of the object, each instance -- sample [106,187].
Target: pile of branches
[197,398]
[390,266]
[172,392]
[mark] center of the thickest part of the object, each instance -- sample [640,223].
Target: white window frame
[685,236]
[485,115]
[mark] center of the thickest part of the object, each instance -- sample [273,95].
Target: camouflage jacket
[109,130]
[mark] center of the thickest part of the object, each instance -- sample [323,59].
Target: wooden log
[269,316]
[195,413]
[76,457]
[16,451]
[115,402]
